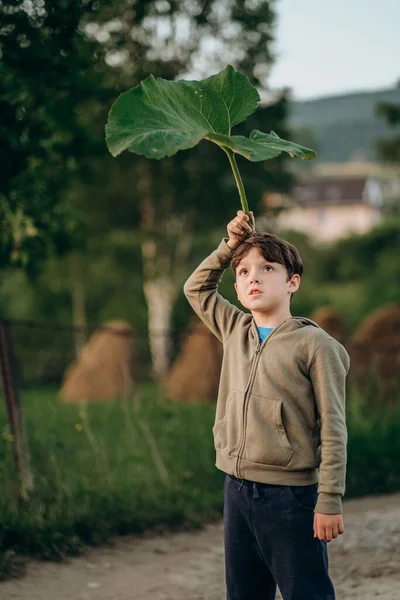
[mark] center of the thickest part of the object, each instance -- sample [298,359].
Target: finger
[241,224]
[238,222]
[234,224]
[246,227]
[335,531]
[328,533]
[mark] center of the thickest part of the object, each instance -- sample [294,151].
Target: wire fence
[44,350]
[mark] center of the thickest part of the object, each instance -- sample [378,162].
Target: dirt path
[364,563]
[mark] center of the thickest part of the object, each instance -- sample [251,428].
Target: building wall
[330,222]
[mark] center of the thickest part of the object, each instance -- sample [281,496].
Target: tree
[47,77]
[389,148]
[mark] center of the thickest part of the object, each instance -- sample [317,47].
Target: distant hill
[342,127]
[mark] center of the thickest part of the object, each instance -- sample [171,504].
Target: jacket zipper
[249,385]
[247,393]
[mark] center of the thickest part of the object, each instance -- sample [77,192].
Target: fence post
[14,409]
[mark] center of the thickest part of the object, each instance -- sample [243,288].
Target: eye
[245,270]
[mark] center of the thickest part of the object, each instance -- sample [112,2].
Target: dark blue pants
[269,540]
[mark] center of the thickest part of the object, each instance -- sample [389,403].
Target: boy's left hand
[327,527]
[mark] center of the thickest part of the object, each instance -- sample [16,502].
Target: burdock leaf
[159,117]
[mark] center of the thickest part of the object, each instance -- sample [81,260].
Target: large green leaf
[159,117]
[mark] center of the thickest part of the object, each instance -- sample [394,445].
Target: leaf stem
[239,182]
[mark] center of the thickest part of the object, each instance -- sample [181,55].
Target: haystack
[375,348]
[331,321]
[103,368]
[194,377]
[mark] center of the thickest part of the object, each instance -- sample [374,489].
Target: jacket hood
[303,322]
[290,324]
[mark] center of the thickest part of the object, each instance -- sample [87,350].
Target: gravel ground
[364,563]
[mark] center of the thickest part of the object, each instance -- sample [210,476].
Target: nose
[254,280]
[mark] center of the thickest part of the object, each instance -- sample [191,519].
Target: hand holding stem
[239,228]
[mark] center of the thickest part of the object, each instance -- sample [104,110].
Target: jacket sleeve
[217,313]
[329,367]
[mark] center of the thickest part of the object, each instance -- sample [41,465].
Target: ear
[235,286]
[294,283]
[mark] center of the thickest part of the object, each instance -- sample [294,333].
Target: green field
[121,468]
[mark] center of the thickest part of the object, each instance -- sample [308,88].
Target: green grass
[119,468]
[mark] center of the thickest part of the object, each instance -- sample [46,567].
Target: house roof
[332,190]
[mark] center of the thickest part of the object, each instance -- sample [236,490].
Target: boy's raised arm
[216,312]
[328,371]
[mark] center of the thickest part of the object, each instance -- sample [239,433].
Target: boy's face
[254,271]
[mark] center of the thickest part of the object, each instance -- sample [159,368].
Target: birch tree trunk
[161,292]
[164,257]
[160,296]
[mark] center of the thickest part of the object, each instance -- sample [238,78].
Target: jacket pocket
[266,439]
[227,430]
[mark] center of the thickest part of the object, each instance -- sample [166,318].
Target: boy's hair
[273,249]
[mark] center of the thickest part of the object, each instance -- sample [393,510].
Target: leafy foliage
[361,272]
[47,75]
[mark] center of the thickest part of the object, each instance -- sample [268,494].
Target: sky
[326,47]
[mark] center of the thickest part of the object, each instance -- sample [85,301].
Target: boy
[280,427]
